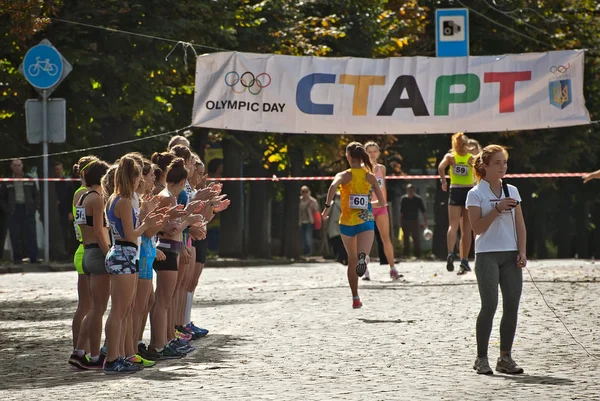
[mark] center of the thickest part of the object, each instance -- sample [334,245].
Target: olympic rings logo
[247,81]
[560,69]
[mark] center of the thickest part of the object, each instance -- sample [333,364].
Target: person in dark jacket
[20,200]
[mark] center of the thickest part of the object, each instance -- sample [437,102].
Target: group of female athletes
[133,218]
[491,209]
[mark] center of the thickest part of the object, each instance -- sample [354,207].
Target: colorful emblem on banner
[560,90]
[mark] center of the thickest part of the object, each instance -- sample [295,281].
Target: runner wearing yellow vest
[357,224]
[84,303]
[460,161]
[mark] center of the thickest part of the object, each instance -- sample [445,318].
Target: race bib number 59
[461,169]
[359,201]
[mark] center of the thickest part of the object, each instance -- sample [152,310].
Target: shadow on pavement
[52,370]
[37,310]
[371,321]
[63,309]
[535,379]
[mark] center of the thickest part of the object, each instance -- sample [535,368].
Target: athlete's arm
[590,176]
[446,161]
[381,201]
[101,232]
[124,211]
[340,178]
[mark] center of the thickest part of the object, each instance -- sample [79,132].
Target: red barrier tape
[325,178]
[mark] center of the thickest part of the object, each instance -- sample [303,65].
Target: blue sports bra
[116,224]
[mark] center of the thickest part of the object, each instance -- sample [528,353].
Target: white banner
[412,95]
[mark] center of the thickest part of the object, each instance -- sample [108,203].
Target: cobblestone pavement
[289,333]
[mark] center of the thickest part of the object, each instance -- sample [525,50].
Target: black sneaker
[450,262]
[464,268]
[88,364]
[78,361]
[169,353]
[147,353]
[361,267]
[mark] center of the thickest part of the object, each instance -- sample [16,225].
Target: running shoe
[464,268]
[450,262]
[77,360]
[138,360]
[119,366]
[506,364]
[183,336]
[367,276]
[187,330]
[147,353]
[182,346]
[91,365]
[201,332]
[394,275]
[482,366]
[356,304]
[169,352]
[361,267]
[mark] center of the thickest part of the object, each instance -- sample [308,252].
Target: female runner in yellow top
[356,221]
[462,180]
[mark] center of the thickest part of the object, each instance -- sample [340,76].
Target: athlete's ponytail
[459,142]
[357,152]
[127,172]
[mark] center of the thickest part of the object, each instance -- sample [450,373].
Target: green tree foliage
[122,87]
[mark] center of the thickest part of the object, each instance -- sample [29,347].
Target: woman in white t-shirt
[497,220]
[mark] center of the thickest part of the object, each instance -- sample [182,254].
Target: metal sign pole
[45,152]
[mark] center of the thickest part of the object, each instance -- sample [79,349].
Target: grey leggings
[491,269]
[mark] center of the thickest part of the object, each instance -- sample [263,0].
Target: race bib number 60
[461,169]
[359,201]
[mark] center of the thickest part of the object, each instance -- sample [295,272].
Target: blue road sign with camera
[43,66]
[452,32]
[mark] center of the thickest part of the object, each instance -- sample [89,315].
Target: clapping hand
[195,220]
[196,206]
[198,232]
[221,205]
[154,220]
[176,212]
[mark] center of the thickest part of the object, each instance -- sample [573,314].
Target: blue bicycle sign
[43,66]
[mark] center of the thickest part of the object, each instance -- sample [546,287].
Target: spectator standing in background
[20,200]
[308,206]
[395,192]
[333,231]
[410,205]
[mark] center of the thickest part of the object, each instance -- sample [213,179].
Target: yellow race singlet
[461,172]
[355,198]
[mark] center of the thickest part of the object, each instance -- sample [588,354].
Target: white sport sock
[188,307]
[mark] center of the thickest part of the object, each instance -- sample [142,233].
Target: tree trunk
[291,241]
[259,237]
[231,236]
[564,227]
[198,142]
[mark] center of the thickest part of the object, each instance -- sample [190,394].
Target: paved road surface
[289,333]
